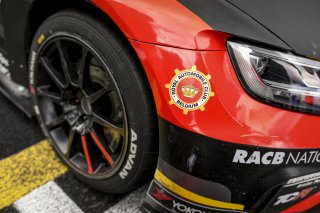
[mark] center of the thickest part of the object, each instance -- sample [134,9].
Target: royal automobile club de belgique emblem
[190,90]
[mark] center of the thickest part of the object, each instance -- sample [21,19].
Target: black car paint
[296,22]
[14,17]
[288,24]
[223,16]
[252,184]
[19,20]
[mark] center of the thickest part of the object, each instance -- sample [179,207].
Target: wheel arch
[41,10]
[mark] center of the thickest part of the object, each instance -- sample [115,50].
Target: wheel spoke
[70,143]
[102,149]
[108,124]
[57,78]
[81,103]
[58,121]
[44,91]
[97,95]
[82,67]
[99,168]
[65,63]
[86,153]
[79,160]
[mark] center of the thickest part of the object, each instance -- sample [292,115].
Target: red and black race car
[217,100]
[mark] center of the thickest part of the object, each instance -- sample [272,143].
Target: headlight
[278,78]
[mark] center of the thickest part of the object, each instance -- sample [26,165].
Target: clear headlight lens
[278,78]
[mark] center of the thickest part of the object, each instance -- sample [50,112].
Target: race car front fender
[246,149]
[230,114]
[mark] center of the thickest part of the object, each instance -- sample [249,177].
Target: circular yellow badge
[190,90]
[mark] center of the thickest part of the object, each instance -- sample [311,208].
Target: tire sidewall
[124,177]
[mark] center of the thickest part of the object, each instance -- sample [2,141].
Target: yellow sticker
[41,39]
[186,194]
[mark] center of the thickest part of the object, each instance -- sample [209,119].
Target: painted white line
[130,203]
[49,198]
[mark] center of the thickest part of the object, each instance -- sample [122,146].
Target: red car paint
[147,21]
[166,36]
[232,115]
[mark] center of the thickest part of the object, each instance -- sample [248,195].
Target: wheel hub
[78,114]
[83,126]
[73,116]
[79,104]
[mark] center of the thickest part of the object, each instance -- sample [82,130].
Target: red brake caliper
[86,153]
[102,149]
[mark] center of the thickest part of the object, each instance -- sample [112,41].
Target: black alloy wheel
[84,104]
[93,102]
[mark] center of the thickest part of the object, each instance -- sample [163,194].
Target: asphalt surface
[18,133]
[16,130]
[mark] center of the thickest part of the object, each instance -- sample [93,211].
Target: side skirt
[19,95]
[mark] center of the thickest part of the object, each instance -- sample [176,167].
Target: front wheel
[93,102]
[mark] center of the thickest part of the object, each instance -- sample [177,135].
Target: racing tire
[93,102]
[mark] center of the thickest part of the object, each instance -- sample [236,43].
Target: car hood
[289,24]
[295,22]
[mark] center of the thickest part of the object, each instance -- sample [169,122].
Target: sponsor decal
[306,205]
[294,196]
[276,158]
[197,200]
[304,181]
[132,155]
[161,195]
[4,66]
[297,195]
[31,67]
[173,203]
[41,39]
[303,178]
[190,90]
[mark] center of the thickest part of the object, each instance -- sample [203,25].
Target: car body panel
[147,21]
[295,22]
[224,17]
[263,182]
[14,37]
[247,151]
[231,115]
